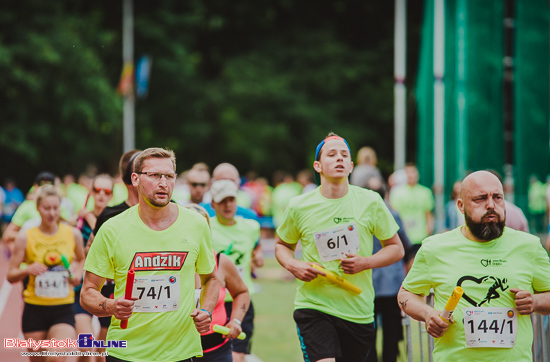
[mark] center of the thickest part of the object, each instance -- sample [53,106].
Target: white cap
[222,189]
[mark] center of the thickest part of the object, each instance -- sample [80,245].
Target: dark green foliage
[258,84]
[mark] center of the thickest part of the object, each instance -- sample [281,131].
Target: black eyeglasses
[195,184]
[157,175]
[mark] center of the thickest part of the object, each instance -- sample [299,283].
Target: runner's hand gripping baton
[128,293]
[338,280]
[224,330]
[451,304]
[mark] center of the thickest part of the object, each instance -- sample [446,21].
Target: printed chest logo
[165,260]
[493,285]
[338,220]
[493,262]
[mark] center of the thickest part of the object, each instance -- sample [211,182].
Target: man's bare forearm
[94,302]
[210,292]
[413,305]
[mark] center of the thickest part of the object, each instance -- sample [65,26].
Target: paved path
[11,308]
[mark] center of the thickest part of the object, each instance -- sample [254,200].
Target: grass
[275,337]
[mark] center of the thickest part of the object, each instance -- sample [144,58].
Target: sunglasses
[195,184]
[99,189]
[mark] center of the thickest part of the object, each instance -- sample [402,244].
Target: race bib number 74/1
[336,242]
[490,327]
[156,293]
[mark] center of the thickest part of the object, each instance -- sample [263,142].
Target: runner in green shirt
[335,224]
[236,237]
[164,244]
[504,273]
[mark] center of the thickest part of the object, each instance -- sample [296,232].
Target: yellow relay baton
[224,330]
[451,304]
[338,280]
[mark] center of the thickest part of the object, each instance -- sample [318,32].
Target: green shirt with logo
[486,272]
[237,241]
[124,242]
[309,215]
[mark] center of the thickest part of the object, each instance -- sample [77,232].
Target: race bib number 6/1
[156,293]
[490,327]
[334,243]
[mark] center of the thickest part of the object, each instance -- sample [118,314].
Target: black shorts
[411,252]
[243,346]
[43,317]
[107,291]
[325,336]
[77,307]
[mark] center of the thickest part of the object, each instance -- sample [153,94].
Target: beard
[150,198]
[486,230]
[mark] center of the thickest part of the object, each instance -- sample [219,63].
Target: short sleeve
[541,269]
[384,226]
[17,218]
[205,260]
[417,280]
[98,260]
[288,230]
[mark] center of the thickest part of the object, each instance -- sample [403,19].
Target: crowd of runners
[166,261]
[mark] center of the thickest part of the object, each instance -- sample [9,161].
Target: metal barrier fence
[420,344]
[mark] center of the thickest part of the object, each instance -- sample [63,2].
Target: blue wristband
[210,314]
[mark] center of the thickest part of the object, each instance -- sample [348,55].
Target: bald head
[482,203]
[226,171]
[479,180]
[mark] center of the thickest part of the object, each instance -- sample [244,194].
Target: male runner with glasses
[164,244]
[335,224]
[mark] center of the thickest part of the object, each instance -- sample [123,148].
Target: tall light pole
[400,73]
[128,122]
[439,113]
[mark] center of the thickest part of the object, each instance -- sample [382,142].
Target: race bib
[156,293]
[490,327]
[336,242]
[52,284]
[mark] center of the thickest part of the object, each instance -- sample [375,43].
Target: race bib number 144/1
[490,327]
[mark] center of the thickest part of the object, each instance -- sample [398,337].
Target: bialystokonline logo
[166,260]
[84,341]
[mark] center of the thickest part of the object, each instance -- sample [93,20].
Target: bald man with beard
[505,275]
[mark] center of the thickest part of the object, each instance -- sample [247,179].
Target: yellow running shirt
[51,287]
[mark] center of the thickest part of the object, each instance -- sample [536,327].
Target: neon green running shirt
[486,272]
[27,211]
[311,214]
[124,241]
[237,241]
[412,203]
